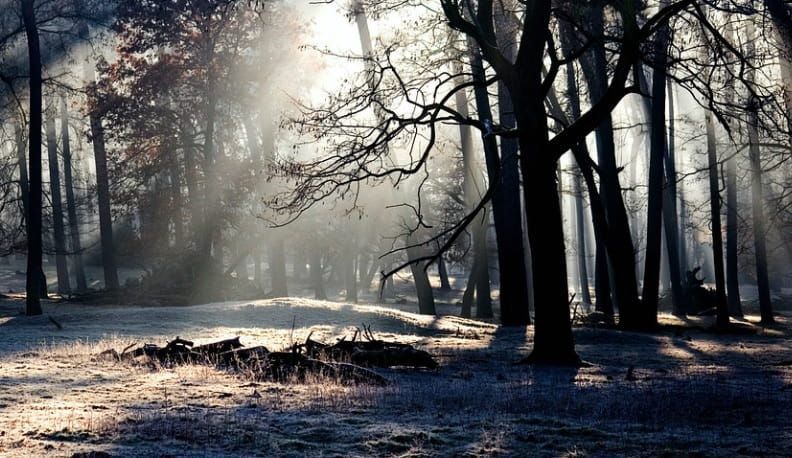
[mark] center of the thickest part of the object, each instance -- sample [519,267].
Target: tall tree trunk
[732,269]
[503,173]
[34,251]
[472,189]
[71,204]
[621,258]
[757,197]
[177,202]
[580,235]
[59,233]
[670,217]
[24,181]
[103,197]
[654,215]
[553,340]
[717,235]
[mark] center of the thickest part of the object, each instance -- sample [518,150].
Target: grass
[693,393]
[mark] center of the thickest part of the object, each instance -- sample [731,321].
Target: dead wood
[258,362]
[367,351]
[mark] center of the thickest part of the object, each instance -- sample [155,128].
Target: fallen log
[257,362]
[370,352]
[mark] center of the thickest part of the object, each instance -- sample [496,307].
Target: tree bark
[621,259]
[503,173]
[59,234]
[423,288]
[670,216]
[732,268]
[581,242]
[472,189]
[757,197]
[553,340]
[71,204]
[34,250]
[103,197]
[442,271]
[717,235]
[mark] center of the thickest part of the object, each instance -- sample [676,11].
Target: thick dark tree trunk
[504,174]
[34,251]
[59,233]
[103,197]
[717,236]
[277,264]
[71,204]
[553,341]
[654,215]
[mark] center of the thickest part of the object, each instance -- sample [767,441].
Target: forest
[395,228]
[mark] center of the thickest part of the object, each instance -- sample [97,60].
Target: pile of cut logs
[347,361]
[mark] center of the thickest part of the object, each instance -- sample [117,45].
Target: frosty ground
[690,392]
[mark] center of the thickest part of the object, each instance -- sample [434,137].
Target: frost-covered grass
[690,393]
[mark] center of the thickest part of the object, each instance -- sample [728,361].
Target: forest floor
[690,392]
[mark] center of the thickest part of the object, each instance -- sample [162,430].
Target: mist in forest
[524,178]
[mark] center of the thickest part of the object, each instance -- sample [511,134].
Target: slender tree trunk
[581,242]
[34,251]
[760,236]
[177,202]
[472,189]
[621,256]
[103,197]
[24,181]
[654,216]
[757,197]
[59,233]
[503,173]
[670,217]
[71,204]
[717,235]
[732,269]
